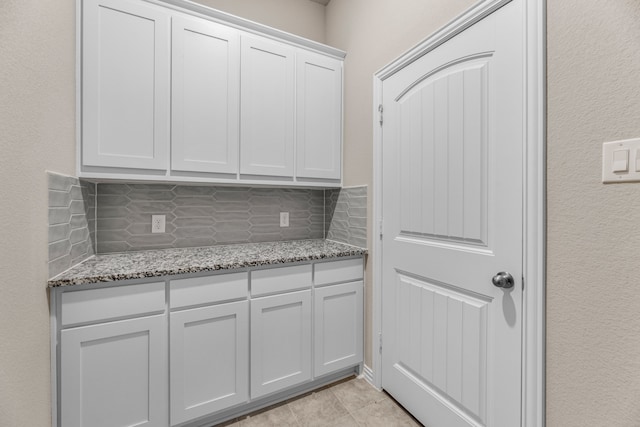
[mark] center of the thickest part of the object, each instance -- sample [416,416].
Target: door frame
[534,191]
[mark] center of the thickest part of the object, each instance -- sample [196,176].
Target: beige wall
[299,17]
[593,290]
[373,33]
[37,108]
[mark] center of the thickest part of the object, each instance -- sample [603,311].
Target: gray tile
[59,232]
[78,221]
[265,229]
[232,216]
[76,193]
[151,195]
[241,206]
[109,247]
[59,198]
[113,189]
[113,223]
[194,211]
[77,207]
[193,232]
[60,182]
[113,235]
[193,201]
[232,236]
[79,250]
[193,222]
[148,207]
[78,235]
[59,249]
[59,265]
[194,190]
[112,211]
[279,416]
[153,187]
[317,408]
[107,200]
[194,242]
[150,240]
[231,226]
[59,216]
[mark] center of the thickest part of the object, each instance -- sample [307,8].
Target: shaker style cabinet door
[280,342]
[125,84]
[338,327]
[318,116]
[267,108]
[115,374]
[209,360]
[206,96]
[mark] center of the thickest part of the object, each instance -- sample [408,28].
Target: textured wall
[373,33]
[299,17]
[37,132]
[593,294]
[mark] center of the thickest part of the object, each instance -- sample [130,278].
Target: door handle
[503,280]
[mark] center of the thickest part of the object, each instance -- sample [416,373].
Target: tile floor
[348,403]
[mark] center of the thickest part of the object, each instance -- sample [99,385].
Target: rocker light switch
[621,161]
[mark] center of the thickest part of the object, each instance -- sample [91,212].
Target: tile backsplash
[203,215]
[346,215]
[87,218]
[72,217]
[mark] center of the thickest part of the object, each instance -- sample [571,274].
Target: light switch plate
[623,156]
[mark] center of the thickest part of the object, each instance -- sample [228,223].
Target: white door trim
[533,169]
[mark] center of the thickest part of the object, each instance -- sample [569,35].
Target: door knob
[503,280]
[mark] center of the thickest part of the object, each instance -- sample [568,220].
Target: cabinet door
[209,360]
[318,116]
[115,374]
[125,84]
[206,96]
[338,327]
[280,342]
[267,100]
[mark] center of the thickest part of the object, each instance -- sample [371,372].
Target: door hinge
[380,110]
[523,282]
[380,341]
[381,228]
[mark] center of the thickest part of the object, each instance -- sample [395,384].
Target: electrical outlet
[284,219]
[158,223]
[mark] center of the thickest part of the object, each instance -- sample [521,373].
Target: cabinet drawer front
[338,271]
[99,305]
[207,290]
[281,279]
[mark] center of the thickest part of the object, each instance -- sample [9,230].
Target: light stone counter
[166,262]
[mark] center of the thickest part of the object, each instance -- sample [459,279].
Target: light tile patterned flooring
[348,403]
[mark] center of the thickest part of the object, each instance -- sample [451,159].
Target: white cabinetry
[184,93]
[267,107]
[338,315]
[206,96]
[125,85]
[114,373]
[209,346]
[338,327]
[318,116]
[280,328]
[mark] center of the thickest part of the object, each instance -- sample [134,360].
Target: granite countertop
[166,262]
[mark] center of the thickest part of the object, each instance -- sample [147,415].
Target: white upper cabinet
[206,96]
[184,93]
[267,107]
[125,84]
[318,116]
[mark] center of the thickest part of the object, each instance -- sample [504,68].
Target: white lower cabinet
[185,351]
[115,374]
[280,342]
[338,327]
[209,360]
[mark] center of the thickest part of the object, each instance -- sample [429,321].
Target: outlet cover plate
[158,223]
[284,219]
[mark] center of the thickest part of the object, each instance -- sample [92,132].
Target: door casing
[533,169]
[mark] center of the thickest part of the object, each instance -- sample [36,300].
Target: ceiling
[322,2]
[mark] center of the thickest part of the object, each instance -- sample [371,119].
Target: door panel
[452,207]
[125,85]
[209,360]
[115,374]
[267,101]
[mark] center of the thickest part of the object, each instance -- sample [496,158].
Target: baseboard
[367,374]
